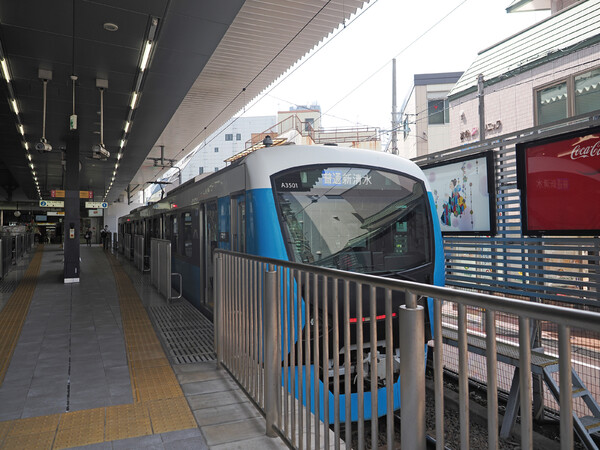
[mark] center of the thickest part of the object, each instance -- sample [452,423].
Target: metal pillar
[71,223]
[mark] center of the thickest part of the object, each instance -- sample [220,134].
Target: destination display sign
[60,193]
[96,205]
[52,204]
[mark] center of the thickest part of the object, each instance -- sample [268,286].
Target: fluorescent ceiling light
[26,144]
[122,143]
[14,105]
[29,156]
[133,100]
[5,69]
[127,126]
[21,130]
[145,55]
[31,165]
[119,156]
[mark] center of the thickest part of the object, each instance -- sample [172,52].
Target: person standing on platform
[88,237]
[105,234]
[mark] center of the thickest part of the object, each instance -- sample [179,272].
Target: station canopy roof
[207,59]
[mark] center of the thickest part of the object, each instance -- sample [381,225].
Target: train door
[211,237]
[238,223]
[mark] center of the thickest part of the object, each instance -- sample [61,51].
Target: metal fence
[271,318]
[550,270]
[160,268]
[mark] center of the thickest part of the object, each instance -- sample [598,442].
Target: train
[351,209]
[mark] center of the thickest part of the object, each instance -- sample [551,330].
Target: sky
[350,73]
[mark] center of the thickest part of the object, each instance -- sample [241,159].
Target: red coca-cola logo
[586,150]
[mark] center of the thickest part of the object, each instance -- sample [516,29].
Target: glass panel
[354,218]
[552,103]
[587,92]
[436,112]
[187,234]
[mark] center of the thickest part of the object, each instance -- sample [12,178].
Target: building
[547,72]
[424,120]
[231,139]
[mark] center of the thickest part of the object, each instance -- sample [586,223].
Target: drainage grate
[188,335]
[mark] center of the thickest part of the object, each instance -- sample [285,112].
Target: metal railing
[5,255]
[160,268]
[270,316]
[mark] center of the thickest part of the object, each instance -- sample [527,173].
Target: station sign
[86,194]
[96,205]
[55,213]
[52,204]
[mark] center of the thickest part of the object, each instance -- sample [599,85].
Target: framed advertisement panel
[559,179]
[464,194]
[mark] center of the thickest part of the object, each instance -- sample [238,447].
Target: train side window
[187,234]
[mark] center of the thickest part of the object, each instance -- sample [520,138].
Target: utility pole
[394,116]
[481,107]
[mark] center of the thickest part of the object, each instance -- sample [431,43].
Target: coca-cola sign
[559,180]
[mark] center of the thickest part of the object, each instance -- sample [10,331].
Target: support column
[72,203]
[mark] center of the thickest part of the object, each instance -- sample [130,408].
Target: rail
[292,303]
[160,268]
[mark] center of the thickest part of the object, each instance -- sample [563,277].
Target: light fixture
[26,145]
[21,130]
[31,165]
[115,172]
[5,70]
[133,100]
[119,156]
[29,156]
[14,105]
[145,55]
[127,124]
[122,143]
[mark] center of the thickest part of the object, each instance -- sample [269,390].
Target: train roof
[270,160]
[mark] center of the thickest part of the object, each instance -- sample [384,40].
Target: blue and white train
[350,209]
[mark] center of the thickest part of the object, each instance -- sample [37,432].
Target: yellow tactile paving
[80,428]
[15,311]
[127,421]
[171,414]
[34,425]
[159,404]
[37,441]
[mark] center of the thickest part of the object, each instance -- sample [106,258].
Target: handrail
[540,311]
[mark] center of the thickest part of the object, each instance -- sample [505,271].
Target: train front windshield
[354,218]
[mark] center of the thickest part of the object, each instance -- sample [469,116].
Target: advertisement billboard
[559,179]
[463,191]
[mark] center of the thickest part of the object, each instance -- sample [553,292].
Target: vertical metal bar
[272,353]
[492,379]
[301,364]
[389,368]
[325,303]
[347,374]
[359,367]
[412,368]
[374,375]
[566,387]
[463,377]
[244,329]
[307,365]
[438,376]
[525,382]
[336,364]
[218,261]
[293,364]
[286,351]
[261,353]
[316,343]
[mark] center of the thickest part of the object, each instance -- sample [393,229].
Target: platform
[81,365]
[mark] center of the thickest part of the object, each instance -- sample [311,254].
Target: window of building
[587,92]
[216,149]
[552,103]
[238,137]
[571,96]
[309,124]
[229,137]
[437,111]
[200,170]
